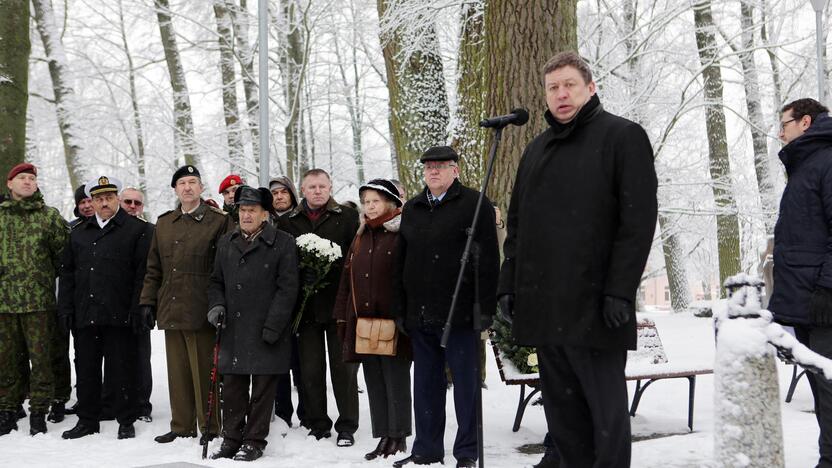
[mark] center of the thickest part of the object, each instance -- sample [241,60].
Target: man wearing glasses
[433,237]
[802,294]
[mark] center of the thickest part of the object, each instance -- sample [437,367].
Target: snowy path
[662,411]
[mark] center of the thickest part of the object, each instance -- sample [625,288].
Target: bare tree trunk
[419,112]
[65,101]
[184,124]
[468,137]
[240,22]
[138,148]
[14,81]
[352,96]
[292,58]
[519,43]
[229,86]
[727,226]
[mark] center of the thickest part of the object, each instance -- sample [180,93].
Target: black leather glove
[143,320]
[820,307]
[216,315]
[65,322]
[270,336]
[617,311]
[400,325]
[506,302]
[307,277]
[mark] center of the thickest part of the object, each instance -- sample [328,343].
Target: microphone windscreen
[522,116]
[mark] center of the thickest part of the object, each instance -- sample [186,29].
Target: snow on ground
[660,425]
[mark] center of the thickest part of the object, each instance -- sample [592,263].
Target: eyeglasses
[783,124]
[439,166]
[133,202]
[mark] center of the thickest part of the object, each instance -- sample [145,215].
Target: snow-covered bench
[647,364]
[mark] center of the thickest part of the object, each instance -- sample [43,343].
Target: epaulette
[217,210]
[165,213]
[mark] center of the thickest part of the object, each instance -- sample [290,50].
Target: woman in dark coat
[366,290]
[251,295]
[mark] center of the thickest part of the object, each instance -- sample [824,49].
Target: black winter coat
[102,270]
[431,243]
[802,248]
[580,226]
[339,224]
[257,283]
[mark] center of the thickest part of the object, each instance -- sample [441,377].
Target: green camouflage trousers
[26,333]
[61,372]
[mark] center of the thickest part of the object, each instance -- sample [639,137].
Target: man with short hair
[179,263]
[802,295]
[32,237]
[580,225]
[228,187]
[101,277]
[285,196]
[432,240]
[320,214]
[132,201]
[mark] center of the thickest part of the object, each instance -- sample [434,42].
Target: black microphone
[517,117]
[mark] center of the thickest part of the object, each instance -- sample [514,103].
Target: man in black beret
[433,237]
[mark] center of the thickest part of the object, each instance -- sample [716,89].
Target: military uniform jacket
[179,266]
[103,270]
[32,237]
[257,283]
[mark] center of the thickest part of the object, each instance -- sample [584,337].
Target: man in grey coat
[251,296]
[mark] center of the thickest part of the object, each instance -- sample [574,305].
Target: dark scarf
[588,112]
[313,215]
[374,223]
[249,238]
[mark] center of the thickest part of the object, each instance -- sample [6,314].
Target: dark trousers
[283,407]
[819,340]
[144,373]
[245,419]
[314,342]
[585,401]
[388,389]
[116,347]
[430,387]
[61,368]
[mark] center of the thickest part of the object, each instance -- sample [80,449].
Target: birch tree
[14,81]
[240,20]
[229,85]
[137,145]
[293,53]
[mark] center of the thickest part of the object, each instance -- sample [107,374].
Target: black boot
[248,453]
[395,445]
[206,438]
[21,413]
[227,450]
[550,459]
[80,430]
[126,431]
[170,437]
[56,412]
[8,422]
[382,445]
[37,423]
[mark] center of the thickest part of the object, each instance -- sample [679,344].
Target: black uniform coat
[802,248]
[431,242]
[339,224]
[257,283]
[103,269]
[580,226]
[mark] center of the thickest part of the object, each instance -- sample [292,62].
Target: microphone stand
[476,319]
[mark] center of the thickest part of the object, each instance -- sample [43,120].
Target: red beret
[22,167]
[233,179]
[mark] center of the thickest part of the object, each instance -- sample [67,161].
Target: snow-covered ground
[660,425]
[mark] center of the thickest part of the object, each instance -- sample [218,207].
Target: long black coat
[431,243]
[802,251]
[257,283]
[339,224]
[103,270]
[580,226]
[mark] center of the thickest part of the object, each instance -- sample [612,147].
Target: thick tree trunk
[65,100]
[292,59]
[229,86]
[418,100]
[468,138]
[138,147]
[727,225]
[184,124]
[14,81]
[519,44]
[240,22]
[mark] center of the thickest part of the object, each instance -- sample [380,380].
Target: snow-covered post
[748,429]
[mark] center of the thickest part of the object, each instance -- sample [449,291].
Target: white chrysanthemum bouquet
[316,255]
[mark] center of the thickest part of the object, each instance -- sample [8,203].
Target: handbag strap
[355,247]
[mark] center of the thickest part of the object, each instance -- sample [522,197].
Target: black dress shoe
[126,431]
[418,460]
[170,437]
[248,453]
[379,450]
[466,463]
[227,450]
[394,446]
[550,459]
[206,438]
[319,434]
[145,418]
[345,439]
[37,423]
[56,412]
[80,430]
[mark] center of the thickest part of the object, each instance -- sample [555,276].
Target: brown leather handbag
[373,335]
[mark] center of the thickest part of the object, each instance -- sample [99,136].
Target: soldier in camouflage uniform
[32,236]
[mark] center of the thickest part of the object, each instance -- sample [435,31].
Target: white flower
[531,360]
[319,247]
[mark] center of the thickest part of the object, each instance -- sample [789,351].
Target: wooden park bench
[647,364]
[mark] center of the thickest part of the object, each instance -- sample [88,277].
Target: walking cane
[214,387]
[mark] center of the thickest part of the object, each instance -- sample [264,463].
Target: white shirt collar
[103,222]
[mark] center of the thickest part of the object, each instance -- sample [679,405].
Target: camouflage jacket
[32,237]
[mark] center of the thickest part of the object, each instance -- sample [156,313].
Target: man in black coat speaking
[580,226]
